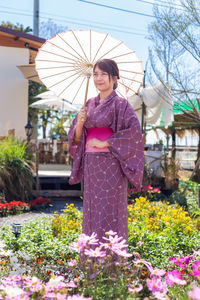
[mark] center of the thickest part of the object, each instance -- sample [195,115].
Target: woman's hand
[97,143]
[82,115]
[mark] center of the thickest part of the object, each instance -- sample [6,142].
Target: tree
[49,29]
[175,54]
[169,60]
[18,26]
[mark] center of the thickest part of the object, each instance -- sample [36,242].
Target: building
[16,49]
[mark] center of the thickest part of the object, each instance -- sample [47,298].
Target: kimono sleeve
[77,153]
[126,145]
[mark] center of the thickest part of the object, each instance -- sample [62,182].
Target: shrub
[16,178]
[70,220]
[158,230]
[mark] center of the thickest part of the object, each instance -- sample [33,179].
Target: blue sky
[122,22]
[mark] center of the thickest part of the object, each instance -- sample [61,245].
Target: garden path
[58,204]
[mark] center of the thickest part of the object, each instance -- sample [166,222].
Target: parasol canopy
[65,63]
[54,103]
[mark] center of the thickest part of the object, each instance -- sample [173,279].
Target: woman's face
[102,81]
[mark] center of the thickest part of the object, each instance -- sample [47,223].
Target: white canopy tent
[158,102]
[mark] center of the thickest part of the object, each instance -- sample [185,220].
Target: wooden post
[37,167]
[199,196]
[173,143]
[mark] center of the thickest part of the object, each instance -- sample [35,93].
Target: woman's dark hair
[109,66]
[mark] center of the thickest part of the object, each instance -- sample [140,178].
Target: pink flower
[196,252]
[174,277]
[195,293]
[157,272]
[146,263]
[157,287]
[135,289]
[114,243]
[181,261]
[72,263]
[71,284]
[140,243]
[53,296]
[11,280]
[33,283]
[83,241]
[123,253]
[75,247]
[95,253]
[196,268]
[110,232]
[155,190]
[147,187]
[77,297]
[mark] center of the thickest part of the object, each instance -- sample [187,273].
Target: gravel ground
[58,205]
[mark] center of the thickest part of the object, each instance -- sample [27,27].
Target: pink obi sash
[101,134]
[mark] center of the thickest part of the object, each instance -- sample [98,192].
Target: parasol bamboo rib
[78,89]
[49,76]
[54,61]
[59,55]
[70,46]
[99,48]
[110,50]
[127,87]
[130,79]
[80,46]
[137,109]
[63,49]
[129,62]
[120,94]
[47,68]
[124,54]
[64,80]
[128,71]
[68,85]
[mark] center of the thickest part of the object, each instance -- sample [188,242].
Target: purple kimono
[106,174]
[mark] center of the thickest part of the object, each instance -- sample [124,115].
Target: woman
[105,141]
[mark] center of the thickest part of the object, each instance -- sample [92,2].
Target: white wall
[13,91]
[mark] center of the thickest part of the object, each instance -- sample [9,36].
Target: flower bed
[13,208]
[103,272]
[44,262]
[165,230]
[40,203]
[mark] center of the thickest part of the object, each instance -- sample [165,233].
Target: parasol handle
[86,92]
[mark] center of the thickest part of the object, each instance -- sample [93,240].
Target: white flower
[17,271]
[13,291]
[5,252]
[23,255]
[54,281]
[13,260]
[2,244]
[34,279]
